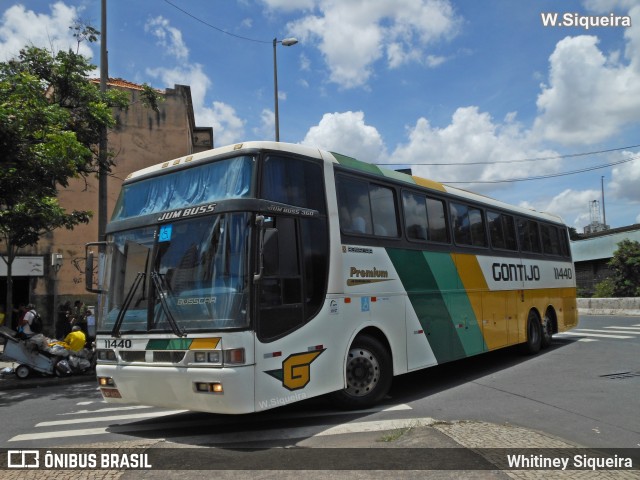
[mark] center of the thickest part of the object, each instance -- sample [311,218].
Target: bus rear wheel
[547,331]
[368,373]
[534,334]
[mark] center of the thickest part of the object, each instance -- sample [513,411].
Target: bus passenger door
[289,348]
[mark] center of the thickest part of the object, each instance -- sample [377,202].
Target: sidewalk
[9,381]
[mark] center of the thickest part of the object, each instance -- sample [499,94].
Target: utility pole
[604,215]
[102,148]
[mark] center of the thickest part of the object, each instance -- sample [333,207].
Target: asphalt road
[583,389]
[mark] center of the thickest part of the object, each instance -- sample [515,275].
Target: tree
[626,269]
[50,121]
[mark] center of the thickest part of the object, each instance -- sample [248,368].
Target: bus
[259,274]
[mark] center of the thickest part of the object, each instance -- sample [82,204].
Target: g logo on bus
[296,370]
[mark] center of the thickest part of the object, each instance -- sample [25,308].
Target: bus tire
[547,331]
[534,334]
[368,372]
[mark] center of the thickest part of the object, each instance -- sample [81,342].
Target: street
[583,390]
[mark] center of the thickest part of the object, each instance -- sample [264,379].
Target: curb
[10,381]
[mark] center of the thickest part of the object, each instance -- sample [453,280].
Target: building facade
[592,253]
[52,272]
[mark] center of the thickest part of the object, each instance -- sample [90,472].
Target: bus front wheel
[534,334]
[368,373]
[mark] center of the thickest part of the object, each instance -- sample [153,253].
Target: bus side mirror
[89,267]
[271,252]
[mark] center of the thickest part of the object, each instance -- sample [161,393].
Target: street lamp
[287,42]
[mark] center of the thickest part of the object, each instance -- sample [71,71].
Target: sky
[534,103]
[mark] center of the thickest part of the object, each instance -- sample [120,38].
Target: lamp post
[287,42]
[56,264]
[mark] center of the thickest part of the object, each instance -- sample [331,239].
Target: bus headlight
[219,358]
[106,355]
[214,357]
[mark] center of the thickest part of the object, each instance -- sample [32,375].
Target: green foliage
[151,98]
[605,289]
[626,269]
[573,234]
[51,121]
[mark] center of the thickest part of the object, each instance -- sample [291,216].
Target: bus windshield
[223,179]
[182,277]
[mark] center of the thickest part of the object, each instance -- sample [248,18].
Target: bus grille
[132,355]
[168,357]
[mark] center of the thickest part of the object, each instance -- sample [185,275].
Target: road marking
[102,410]
[575,334]
[131,416]
[246,436]
[125,428]
[607,331]
[625,328]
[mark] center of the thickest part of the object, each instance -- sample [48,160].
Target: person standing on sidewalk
[24,328]
[63,322]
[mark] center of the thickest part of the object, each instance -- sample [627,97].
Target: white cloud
[289,5]
[228,128]
[590,96]
[192,75]
[471,137]
[170,38]
[348,134]
[267,126]
[20,27]
[625,178]
[354,35]
[608,6]
[573,206]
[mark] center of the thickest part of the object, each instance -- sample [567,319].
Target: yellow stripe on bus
[423,182]
[204,343]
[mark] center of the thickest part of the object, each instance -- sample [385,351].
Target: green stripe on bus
[356,164]
[403,177]
[441,304]
[169,344]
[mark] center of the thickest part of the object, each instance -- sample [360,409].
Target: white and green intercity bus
[258,274]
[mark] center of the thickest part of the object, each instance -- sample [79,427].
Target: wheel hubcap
[363,372]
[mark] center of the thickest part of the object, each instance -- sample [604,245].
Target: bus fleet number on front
[117,343]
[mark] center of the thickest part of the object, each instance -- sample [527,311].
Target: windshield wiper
[162,296]
[125,306]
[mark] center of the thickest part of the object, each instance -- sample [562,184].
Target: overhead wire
[216,28]
[551,175]
[540,177]
[534,159]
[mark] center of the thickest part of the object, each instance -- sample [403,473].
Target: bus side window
[294,181]
[502,231]
[354,207]
[550,239]
[437,223]
[529,236]
[468,225]
[383,209]
[415,216]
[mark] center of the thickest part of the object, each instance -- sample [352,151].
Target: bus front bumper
[216,390]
